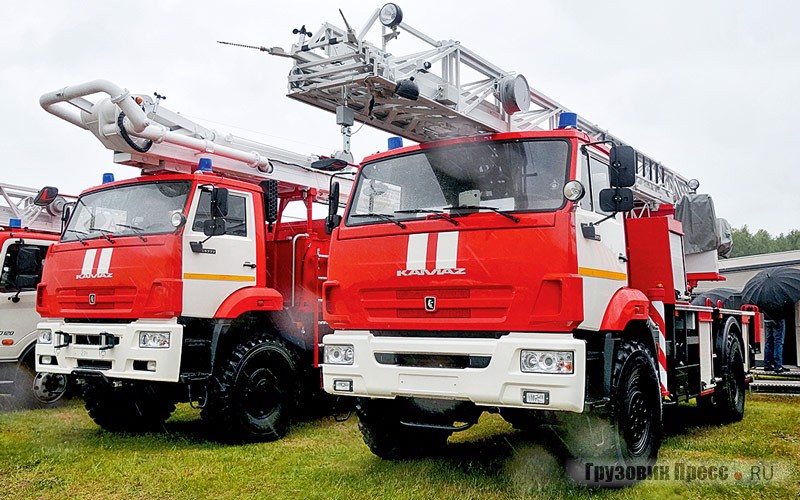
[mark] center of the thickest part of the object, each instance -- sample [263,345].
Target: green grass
[60,453]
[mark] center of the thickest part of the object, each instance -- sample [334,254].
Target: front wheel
[629,436]
[381,424]
[132,407]
[256,391]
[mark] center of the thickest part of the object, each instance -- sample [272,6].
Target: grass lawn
[60,453]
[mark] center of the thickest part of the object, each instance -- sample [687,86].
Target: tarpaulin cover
[725,233]
[696,213]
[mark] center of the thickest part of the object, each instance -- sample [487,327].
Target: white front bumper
[124,360]
[501,383]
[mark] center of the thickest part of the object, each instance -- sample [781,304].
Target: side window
[599,176]
[22,267]
[235,221]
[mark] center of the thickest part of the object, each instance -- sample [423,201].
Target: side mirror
[270,190]
[329,164]
[214,227]
[622,171]
[219,202]
[45,196]
[616,200]
[334,219]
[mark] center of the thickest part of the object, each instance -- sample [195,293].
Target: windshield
[508,176]
[134,209]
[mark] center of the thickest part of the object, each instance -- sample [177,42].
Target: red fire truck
[190,282]
[29,223]
[518,260]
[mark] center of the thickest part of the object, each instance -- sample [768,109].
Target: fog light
[343,385]
[546,361]
[46,360]
[151,366]
[45,337]
[154,340]
[536,397]
[339,354]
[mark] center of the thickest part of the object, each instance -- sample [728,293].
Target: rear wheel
[256,391]
[132,407]
[381,424]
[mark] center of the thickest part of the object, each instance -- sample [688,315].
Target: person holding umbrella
[774,291]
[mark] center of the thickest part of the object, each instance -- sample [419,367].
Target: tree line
[747,243]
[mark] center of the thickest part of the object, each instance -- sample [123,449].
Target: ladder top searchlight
[443,91]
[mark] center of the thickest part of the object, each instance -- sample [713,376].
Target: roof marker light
[568,120]
[395,143]
[204,165]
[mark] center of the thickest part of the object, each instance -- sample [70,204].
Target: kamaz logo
[89,271]
[432,272]
[424,247]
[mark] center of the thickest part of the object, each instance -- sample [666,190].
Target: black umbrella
[773,290]
[723,294]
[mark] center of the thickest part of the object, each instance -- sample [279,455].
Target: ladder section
[442,91]
[16,202]
[146,135]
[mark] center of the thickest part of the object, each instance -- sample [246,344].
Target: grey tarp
[696,213]
[725,233]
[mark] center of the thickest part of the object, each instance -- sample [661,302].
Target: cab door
[22,261]
[602,261]
[215,267]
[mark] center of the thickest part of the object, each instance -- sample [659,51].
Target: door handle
[249,264]
[623,258]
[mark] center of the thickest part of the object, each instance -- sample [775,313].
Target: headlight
[45,337]
[546,361]
[154,340]
[339,354]
[574,190]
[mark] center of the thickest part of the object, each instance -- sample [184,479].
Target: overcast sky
[709,88]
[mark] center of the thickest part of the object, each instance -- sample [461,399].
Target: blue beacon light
[204,165]
[395,143]
[568,120]
[108,177]
[15,223]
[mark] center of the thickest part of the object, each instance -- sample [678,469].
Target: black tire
[730,393]
[255,392]
[630,435]
[379,421]
[636,409]
[133,407]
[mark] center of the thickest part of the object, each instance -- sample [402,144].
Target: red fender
[627,305]
[250,299]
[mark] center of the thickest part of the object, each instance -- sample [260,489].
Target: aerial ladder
[144,134]
[442,91]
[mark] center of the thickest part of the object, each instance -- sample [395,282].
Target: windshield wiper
[493,209]
[78,237]
[105,232]
[438,213]
[136,230]
[386,217]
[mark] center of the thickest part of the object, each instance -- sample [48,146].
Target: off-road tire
[255,393]
[379,421]
[133,407]
[631,431]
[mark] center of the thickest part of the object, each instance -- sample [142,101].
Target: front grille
[433,360]
[94,364]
